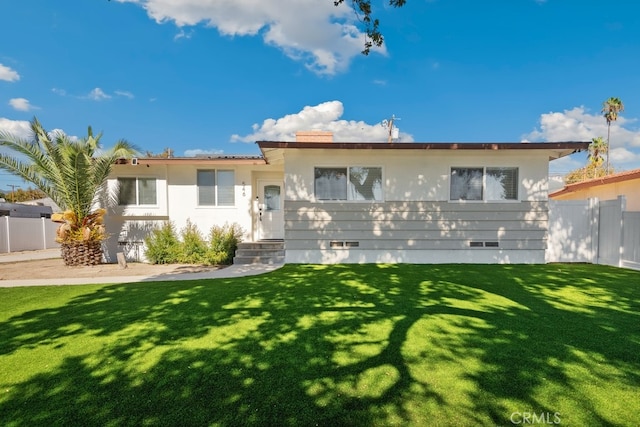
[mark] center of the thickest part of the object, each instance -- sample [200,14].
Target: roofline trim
[235,160]
[576,145]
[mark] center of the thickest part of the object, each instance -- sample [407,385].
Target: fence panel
[4,234]
[610,232]
[27,234]
[631,237]
[572,231]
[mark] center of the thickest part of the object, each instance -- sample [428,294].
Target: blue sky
[215,76]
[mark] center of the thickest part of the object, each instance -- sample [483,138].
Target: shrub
[193,249]
[223,242]
[162,245]
[165,247]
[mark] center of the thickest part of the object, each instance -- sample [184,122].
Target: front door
[270,210]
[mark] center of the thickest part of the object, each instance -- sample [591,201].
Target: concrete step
[258,259]
[262,252]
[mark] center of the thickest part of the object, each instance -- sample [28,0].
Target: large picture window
[216,187]
[491,183]
[348,183]
[137,191]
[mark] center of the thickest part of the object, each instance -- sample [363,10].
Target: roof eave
[556,149]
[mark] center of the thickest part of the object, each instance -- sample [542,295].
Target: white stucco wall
[415,222]
[416,174]
[177,201]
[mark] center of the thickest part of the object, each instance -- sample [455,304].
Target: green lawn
[460,345]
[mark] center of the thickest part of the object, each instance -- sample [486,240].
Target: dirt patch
[55,269]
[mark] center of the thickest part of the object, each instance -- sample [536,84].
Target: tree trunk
[81,253]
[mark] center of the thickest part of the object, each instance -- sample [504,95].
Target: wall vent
[352,244]
[491,244]
[475,244]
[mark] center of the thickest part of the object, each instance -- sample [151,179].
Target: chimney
[314,136]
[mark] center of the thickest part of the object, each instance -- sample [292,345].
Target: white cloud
[182,34]
[579,125]
[22,129]
[58,91]
[124,93]
[7,74]
[21,104]
[324,117]
[18,128]
[98,94]
[322,36]
[198,152]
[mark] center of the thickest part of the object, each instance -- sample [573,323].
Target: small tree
[72,172]
[594,167]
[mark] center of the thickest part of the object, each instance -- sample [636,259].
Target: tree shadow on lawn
[332,345]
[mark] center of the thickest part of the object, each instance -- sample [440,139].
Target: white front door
[270,210]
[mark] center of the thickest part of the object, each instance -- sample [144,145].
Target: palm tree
[73,173]
[597,148]
[610,108]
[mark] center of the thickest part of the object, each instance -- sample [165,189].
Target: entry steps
[260,252]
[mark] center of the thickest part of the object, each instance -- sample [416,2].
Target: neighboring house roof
[200,160]
[47,201]
[555,149]
[20,210]
[595,182]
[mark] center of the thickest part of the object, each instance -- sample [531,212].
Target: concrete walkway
[238,270]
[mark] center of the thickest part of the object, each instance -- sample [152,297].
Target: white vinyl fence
[598,232]
[27,234]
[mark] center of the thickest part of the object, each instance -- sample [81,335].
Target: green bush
[223,242]
[162,245]
[193,248]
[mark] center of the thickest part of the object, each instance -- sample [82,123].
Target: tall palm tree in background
[610,108]
[73,172]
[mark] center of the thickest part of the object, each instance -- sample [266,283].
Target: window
[502,183]
[466,183]
[216,188]
[353,183]
[137,191]
[491,183]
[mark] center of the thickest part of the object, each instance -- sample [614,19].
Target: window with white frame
[137,191]
[348,183]
[216,187]
[478,183]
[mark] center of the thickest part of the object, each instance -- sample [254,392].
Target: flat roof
[572,145]
[556,149]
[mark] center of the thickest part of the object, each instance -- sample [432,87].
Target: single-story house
[606,188]
[345,202]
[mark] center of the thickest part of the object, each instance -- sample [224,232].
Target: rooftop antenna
[394,132]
